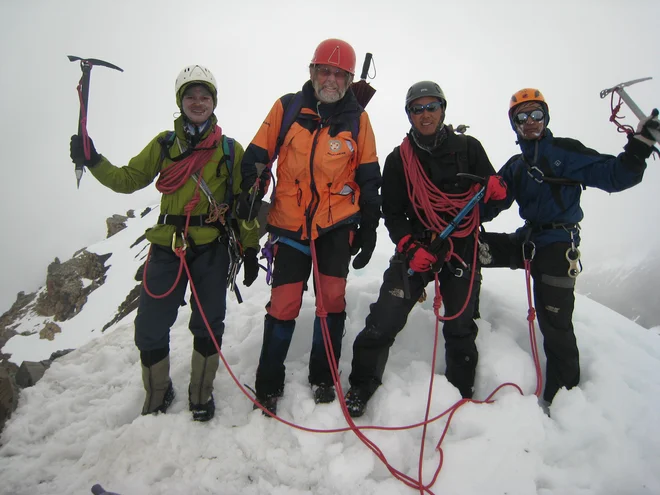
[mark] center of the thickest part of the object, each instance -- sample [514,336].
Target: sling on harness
[541,173]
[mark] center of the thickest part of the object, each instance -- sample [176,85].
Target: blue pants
[209,266]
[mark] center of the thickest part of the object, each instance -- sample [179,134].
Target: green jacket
[145,167]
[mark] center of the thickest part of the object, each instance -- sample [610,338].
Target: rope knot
[531,314]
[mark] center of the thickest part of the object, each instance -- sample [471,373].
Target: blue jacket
[543,204]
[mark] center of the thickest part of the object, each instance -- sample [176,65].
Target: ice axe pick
[86,65]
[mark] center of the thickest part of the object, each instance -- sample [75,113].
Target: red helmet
[337,53]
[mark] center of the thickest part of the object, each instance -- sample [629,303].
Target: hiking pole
[446,232]
[618,89]
[86,65]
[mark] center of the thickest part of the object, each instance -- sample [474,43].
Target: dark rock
[30,372]
[65,294]
[49,331]
[129,304]
[145,212]
[8,395]
[58,354]
[115,223]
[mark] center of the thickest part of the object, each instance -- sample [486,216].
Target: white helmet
[198,74]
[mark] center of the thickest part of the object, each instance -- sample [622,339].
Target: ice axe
[362,89]
[446,232]
[618,89]
[86,65]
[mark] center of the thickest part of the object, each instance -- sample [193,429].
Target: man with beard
[326,198]
[546,180]
[421,195]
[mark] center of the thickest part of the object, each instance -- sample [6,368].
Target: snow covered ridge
[81,312]
[81,424]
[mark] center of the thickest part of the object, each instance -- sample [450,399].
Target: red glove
[495,189]
[420,259]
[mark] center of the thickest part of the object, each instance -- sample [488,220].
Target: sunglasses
[434,106]
[536,115]
[326,71]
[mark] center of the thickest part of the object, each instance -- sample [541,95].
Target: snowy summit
[81,424]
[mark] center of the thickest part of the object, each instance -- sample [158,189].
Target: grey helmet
[424,88]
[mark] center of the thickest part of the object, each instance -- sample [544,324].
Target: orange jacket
[324,177]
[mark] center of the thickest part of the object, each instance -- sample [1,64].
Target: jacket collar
[532,149]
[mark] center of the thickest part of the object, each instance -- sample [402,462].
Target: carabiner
[184,245]
[574,263]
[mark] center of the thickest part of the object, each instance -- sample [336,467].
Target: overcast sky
[480,52]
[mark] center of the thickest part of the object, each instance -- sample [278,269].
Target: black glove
[364,242]
[648,127]
[250,266]
[638,147]
[246,209]
[78,152]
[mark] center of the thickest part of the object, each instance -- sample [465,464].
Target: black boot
[202,412]
[269,403]
[356,401]
[323,393]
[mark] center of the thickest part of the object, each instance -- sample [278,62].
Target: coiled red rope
[173,178]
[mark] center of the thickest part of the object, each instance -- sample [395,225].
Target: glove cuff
[638,147]
[404,243]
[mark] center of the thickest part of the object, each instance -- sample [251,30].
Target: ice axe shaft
[618,89]
[86,65]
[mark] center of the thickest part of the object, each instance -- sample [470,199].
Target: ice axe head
[89,62]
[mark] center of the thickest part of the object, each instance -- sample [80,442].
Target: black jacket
[457,153]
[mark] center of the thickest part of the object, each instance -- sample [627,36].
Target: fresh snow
[81,423]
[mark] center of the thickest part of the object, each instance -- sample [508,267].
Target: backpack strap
[462,155]
[228,155]
[166,143]
[292,108]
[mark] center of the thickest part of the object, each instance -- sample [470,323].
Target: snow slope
[81,423]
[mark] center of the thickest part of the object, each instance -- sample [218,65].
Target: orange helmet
[525,95]
[337,53]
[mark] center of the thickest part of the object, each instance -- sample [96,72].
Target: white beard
[328,96]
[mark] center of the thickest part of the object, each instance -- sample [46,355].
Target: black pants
[388,316]
[554,300]
[290,273]
[209,265]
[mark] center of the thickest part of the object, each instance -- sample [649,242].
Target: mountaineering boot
[356,402]
[323,393]
[200,396]
[269,403]
[158,386]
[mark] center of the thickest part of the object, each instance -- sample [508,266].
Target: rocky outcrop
[117,223]
[8,392]
[68,284]
[15,313]
[129,304]
[14,378]
[49,330]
